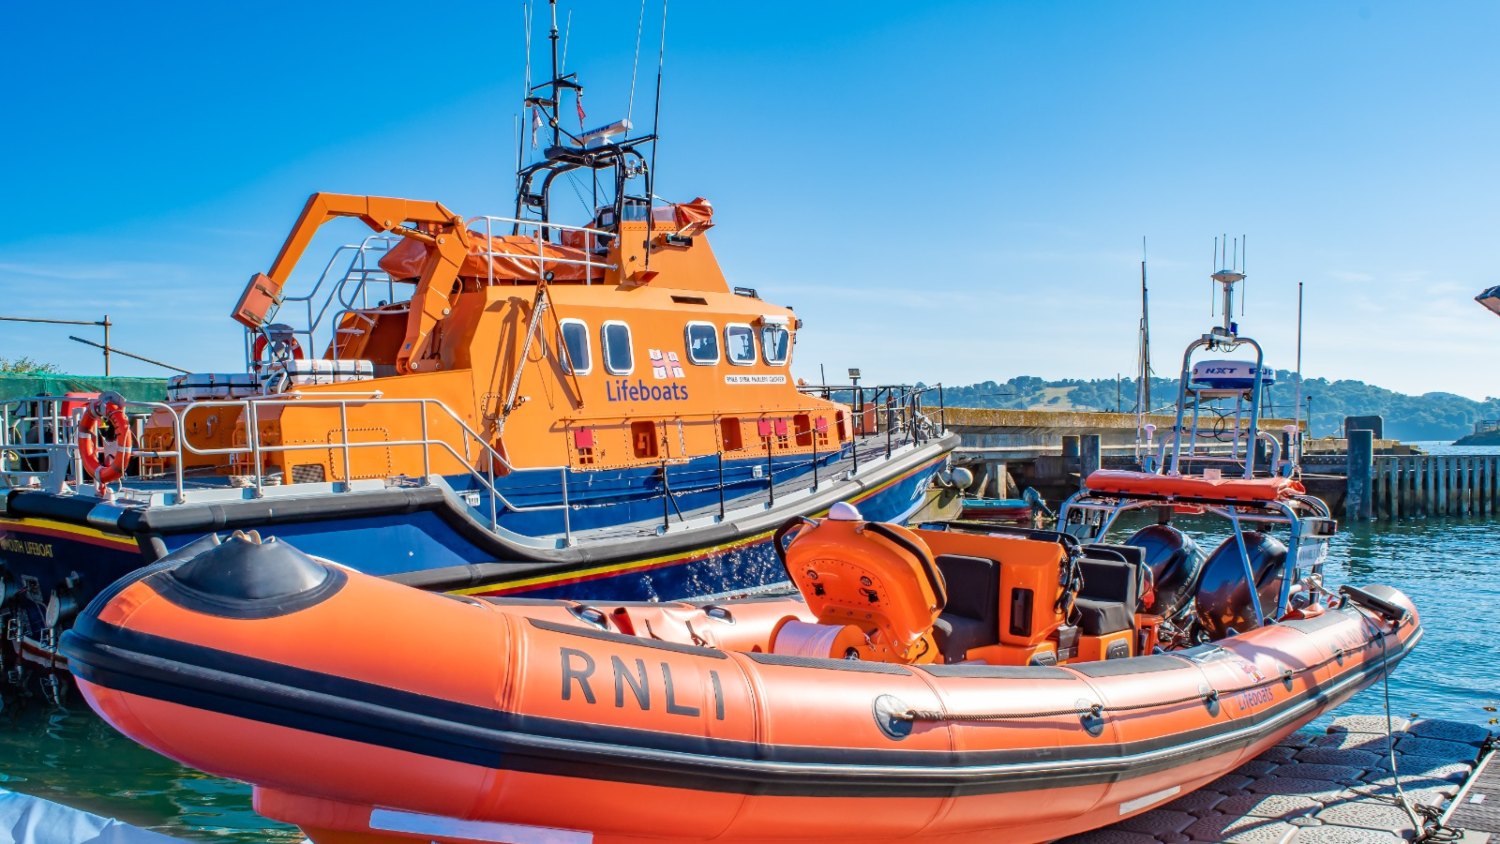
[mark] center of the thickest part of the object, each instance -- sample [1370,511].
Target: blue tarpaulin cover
[31,820]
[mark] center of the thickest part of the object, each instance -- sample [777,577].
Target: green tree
[24,365]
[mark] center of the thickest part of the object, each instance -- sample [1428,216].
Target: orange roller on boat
[928,685]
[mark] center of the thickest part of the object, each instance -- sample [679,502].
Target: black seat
[972,616]
[1106,603]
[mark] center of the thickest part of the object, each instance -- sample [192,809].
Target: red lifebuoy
[106,464]
[288,346]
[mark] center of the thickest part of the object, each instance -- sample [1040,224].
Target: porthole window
[618,358]
[573,344]
[739,344]
[702,342]
[775,342]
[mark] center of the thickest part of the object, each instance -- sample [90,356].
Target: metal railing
[60,450]
[351,292]
[592,240]
[356,267]
[39,448]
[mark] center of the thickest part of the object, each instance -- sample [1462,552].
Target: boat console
[1215,461]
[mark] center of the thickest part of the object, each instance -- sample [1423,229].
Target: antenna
[661,60]
[1213,267]
[1143,381]
[1297,410]
[556,82]
[526,12]
[1244,268]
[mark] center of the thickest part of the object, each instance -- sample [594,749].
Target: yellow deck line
[66,527]
[581,574]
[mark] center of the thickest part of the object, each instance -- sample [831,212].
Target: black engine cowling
[1224,597]
[1176,563]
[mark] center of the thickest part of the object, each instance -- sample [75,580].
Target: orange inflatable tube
[365,711]
[1194,487]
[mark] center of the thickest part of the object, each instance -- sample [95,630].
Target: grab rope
[1426,821]
[1098,709]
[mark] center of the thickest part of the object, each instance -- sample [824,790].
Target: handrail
[540,239]
[481,464]
[358,267]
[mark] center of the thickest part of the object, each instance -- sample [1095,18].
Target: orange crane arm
[450,243]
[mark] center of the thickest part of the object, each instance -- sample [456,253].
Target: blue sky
[944,191]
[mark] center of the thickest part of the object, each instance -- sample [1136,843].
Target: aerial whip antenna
[661,60]
[635,63]
[1143,382]
[556,82]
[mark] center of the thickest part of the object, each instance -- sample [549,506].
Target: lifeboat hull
[365,711]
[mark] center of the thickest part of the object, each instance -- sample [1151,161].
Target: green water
[1451,570]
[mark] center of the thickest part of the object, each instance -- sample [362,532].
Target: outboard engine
[1176,563]
[1224,597]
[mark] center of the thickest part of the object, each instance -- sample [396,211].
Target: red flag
[581,115]
[536,123]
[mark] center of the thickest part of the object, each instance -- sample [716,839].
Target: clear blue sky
[943,190]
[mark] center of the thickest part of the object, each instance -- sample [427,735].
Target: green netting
[39,384]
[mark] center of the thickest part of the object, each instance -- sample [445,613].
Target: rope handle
[1097,710]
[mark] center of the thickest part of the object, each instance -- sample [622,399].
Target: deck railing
[39,448]
[344,285]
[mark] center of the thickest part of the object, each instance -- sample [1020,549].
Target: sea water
[1451,569]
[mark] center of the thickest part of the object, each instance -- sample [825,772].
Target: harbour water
[1450,568]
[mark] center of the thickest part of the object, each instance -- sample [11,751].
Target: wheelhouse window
[739,344]
[573,344]
[775,343]
[618,358]
[703,343]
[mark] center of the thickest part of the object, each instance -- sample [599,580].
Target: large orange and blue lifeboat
[522,405]
[927,685]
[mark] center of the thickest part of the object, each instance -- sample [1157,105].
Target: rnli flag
[579,99]
[536,123]
[658,363]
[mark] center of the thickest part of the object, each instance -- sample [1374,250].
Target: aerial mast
[556,82]
[1143,363]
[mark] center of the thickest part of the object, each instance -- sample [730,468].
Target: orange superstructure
[553,354]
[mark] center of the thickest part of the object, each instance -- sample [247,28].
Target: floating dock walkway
[1334,789]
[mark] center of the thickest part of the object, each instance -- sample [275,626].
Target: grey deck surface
[1478,807]
[1330,789]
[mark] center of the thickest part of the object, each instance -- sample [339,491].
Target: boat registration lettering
[632,681]
[26,546]
[754,379]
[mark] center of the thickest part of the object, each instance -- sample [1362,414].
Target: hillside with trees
[1431,416]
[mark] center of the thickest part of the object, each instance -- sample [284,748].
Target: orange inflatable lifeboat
[922,685]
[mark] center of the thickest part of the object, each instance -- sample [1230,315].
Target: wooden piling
[1395,474]
[1089,457]
[1419,484]
[1468,476]
[1357,498]
[1442,485]
[1487,485]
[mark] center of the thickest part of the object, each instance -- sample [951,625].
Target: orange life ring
[105,465]
[262,341]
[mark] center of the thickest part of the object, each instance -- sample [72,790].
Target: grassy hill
[1431,416]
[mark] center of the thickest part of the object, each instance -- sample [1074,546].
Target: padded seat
[972,617]
[1106,603]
